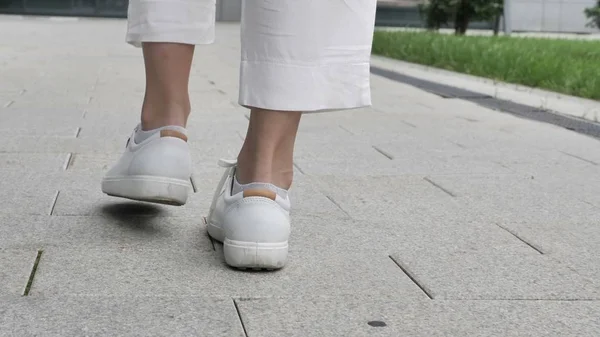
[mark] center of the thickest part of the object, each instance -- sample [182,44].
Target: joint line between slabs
[521,239]
[337,205]
[212,241]
[384,153]
[54,202]
[299,168]
[237,310]
[440,187]
[580,158]
[193,183]
[68,162]
[32,274]
[412,278]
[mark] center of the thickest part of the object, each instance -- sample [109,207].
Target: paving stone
[579,181]
[327,316]
[41,117]
[115,229]
[26,195]
[56,131]
[356,158]
[508,198]
[387,197]
[120,316]
[429,156]
[518,273]
[558,237]
[45,144]
[32,100]
[574,243]
[307,198]
[15,268]
[94,271]
[376,126]
[37,162]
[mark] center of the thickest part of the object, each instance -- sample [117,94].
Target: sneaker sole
[242,255]
[250,255]
[167,191]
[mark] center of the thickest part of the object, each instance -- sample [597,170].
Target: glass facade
[104,8]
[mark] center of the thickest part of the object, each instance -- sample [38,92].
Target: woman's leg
[167,31]
[166,101]
[297,56]
[156,165]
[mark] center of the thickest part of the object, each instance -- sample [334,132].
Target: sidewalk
[431,216]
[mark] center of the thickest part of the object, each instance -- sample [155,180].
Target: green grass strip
[571,67]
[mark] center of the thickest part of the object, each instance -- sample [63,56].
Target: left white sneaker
[158,169]
[254,225]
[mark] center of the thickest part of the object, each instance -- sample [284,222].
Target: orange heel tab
[173,133]
[260,193]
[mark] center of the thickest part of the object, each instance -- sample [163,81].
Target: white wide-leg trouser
[297,55]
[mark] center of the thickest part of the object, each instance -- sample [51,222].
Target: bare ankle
[157,114]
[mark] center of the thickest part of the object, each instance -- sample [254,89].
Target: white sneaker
[254,225]
[155,170]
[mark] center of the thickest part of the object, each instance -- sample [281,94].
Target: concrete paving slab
[25,195]
[506,198]
[35,162]
[31,100]
[118,272]
[558,237]
[15,268]
[516,274]
[378,197]
[576,182]
[424,156]
[113,230]
[574,243]
[44,144]
[120,316]
[367,316]
[56,131]
[355,159]
[40,117]
[307,199]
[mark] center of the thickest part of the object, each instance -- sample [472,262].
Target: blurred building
[527,15]
[556,16]
[227,10]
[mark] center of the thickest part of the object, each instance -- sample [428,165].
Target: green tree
[593,13]
[461,12]
[437,13]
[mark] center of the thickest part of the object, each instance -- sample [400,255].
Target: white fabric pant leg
[297,55]
[301,55]
[177,21]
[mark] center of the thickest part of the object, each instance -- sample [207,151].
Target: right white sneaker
[254,225]
[157,169]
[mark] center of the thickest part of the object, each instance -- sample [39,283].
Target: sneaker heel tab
[260,193]
[173,133]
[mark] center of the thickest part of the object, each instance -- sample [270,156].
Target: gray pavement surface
[419,216]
